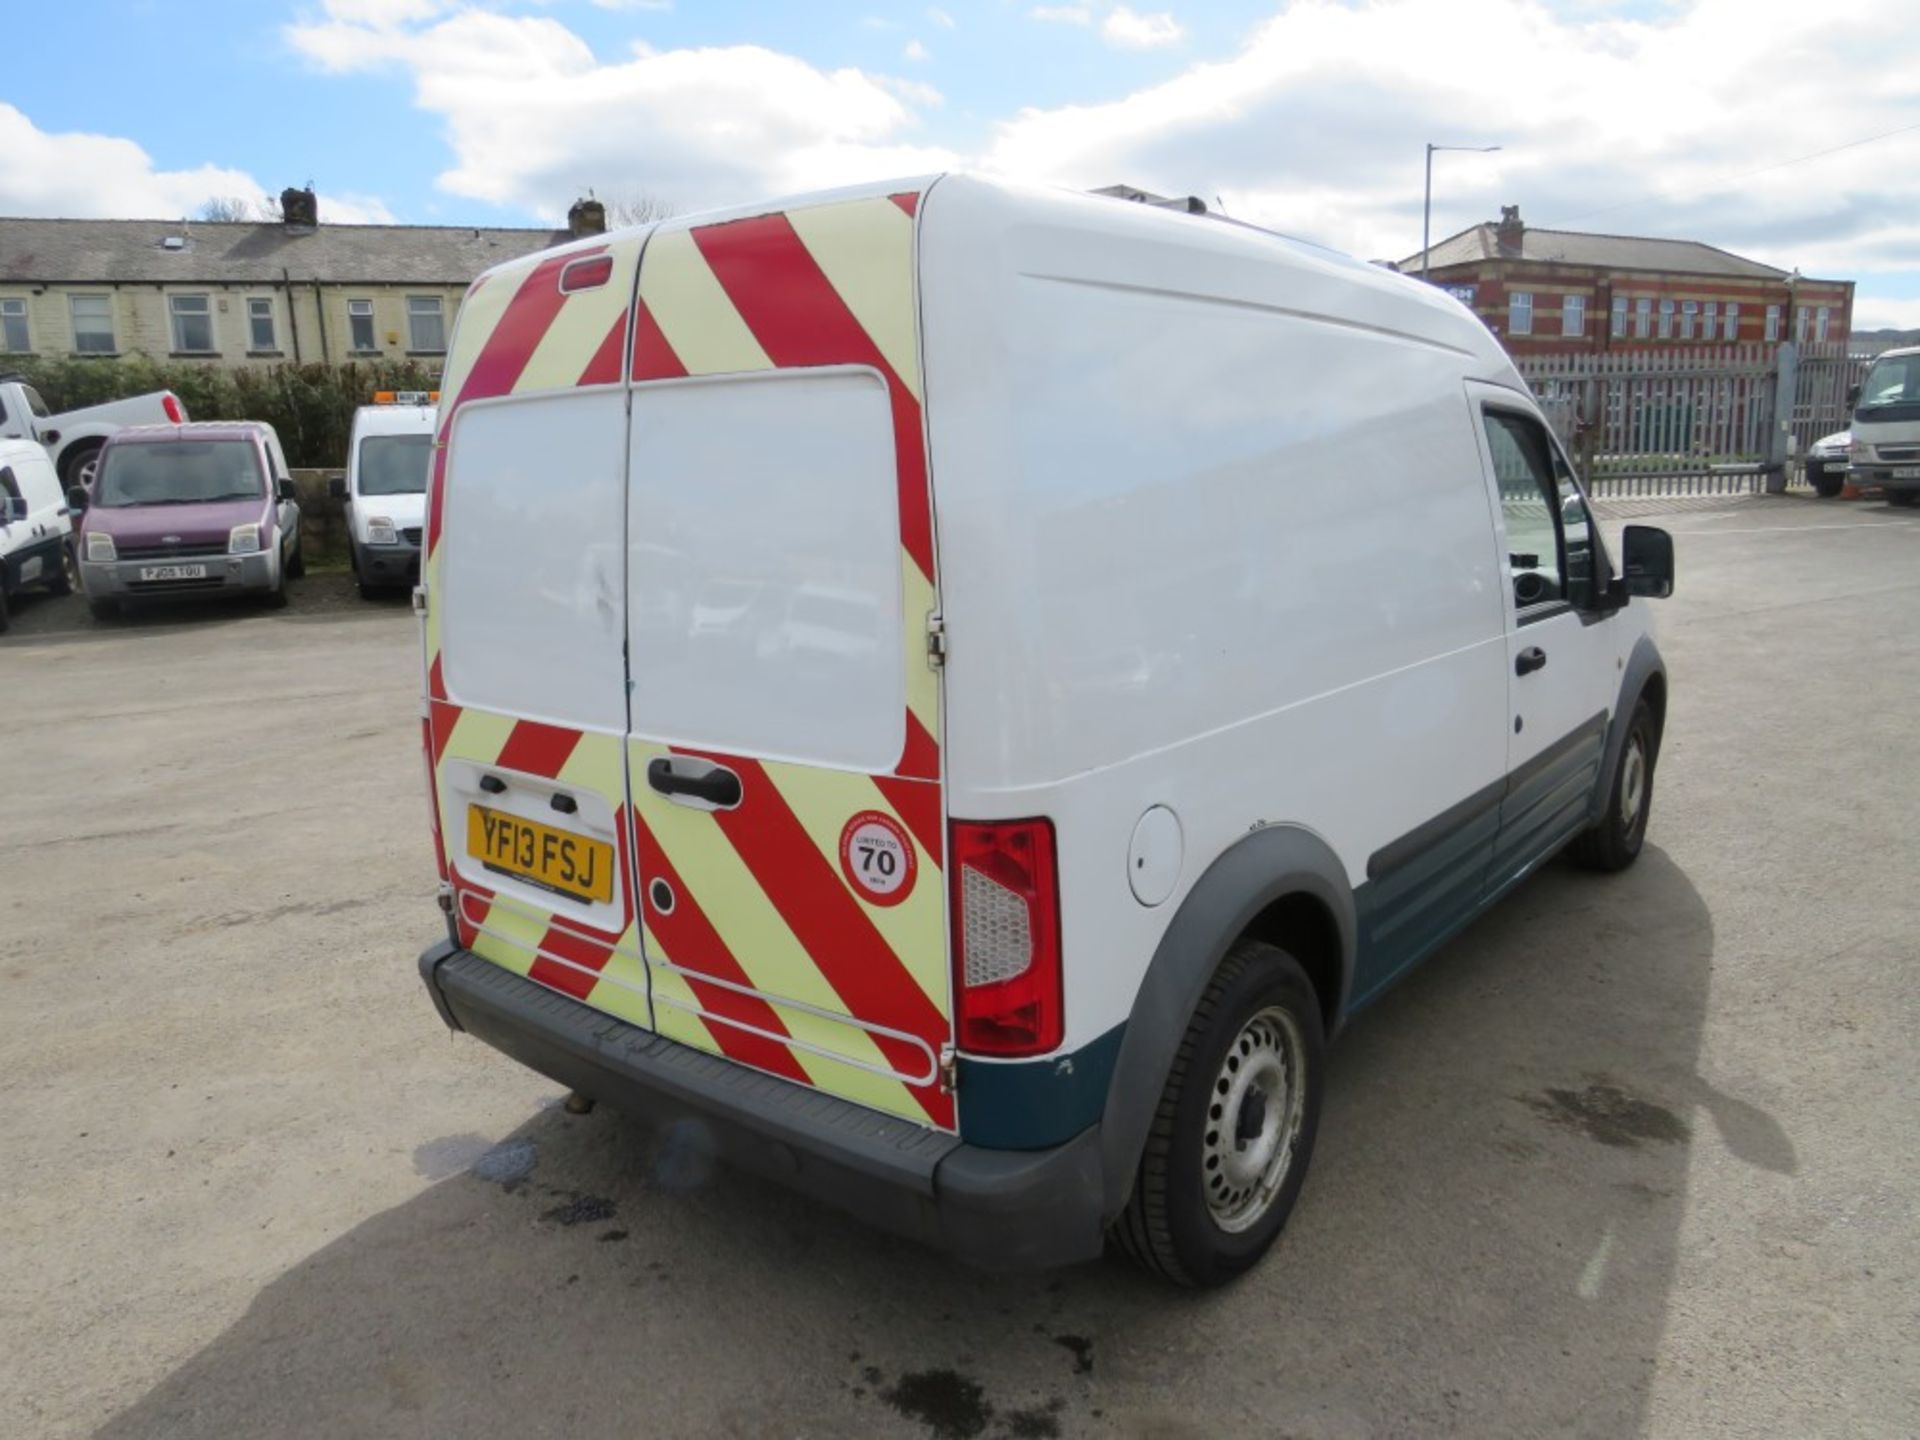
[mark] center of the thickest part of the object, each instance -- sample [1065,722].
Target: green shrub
[310,406]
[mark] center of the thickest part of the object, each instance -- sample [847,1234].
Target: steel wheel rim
[1633,782]
[1254,1115]
[84,471]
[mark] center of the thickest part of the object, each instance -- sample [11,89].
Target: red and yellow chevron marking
[816,285]
[768,943]
[765,932]
[767,954]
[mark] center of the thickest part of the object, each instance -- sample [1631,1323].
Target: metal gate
[1696,420]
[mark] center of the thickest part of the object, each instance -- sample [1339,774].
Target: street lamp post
[1426,208]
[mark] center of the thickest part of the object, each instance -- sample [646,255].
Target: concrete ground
[1634,1156]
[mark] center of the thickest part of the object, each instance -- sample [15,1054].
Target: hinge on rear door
[949,1070]
[444,898]
[936,641]
[420,601]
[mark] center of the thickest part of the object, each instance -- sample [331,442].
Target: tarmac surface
[1635,1155]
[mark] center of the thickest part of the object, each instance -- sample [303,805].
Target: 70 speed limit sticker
[877,858]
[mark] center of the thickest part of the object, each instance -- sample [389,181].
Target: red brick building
[1560,290]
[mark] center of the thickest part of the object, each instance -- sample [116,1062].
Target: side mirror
[337,487]
[285,489]
[76,498]
[1646,561]
[1853,396]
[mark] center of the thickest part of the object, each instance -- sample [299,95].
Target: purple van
[189,509]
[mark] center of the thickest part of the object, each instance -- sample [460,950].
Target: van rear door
[783,755]
[524,626]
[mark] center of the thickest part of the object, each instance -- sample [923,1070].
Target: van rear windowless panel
[764,568]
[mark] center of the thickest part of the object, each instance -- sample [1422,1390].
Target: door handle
[1529,660]
[675,778]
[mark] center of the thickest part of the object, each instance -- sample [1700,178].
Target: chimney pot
[586,217]
[1512,233]
[299,209]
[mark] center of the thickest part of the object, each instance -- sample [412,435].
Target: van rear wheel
[1230,1142]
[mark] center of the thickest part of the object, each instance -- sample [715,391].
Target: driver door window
[1530,494]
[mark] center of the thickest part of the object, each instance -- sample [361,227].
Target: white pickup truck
[73,439]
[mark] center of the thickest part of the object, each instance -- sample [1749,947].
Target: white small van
[34,525]
[385,487]
[967,749]
[1884,447]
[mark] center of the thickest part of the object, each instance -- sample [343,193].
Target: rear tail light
[170,403]
[1006,937]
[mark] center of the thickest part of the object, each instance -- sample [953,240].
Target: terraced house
[288,290]
[1569,290]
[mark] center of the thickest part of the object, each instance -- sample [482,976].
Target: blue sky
[1309,115]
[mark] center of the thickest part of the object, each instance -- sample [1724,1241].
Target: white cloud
[1062,14]
[1131,30]
[533,117]
[1871,312]
[914,50]
[940,17]
[81,175]
[1315,126]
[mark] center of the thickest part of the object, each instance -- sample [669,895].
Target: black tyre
[1826,483]
[66,576]
[1235,1127]
[297,562]
[103,609]
[77,466]
[1905,499]
[1615,842]
[6,616]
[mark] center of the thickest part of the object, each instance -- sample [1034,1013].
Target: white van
[968,749]
[34,524]
[1884,445]
[385,487]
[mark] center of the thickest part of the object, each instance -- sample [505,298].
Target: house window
[1773,323]
[192,323]
[1820,324]
[426,323]
[1709,320]
[1800,318]
[260,334]
[1730,325]
[1688,309]
[1520,313]
[92,324]
[1643,317]
[1573,315]
[360,324]
[1617,326]
[1666,319]
[13,326]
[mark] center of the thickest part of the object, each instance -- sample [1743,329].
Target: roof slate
[1577,247]
[249,253]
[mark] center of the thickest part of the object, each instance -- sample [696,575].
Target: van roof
[1389,300]
[393,420]
[194,430]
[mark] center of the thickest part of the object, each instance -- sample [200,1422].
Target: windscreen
[178,472]
[1891,390]
[394,464]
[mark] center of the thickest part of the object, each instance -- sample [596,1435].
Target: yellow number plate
[553,859]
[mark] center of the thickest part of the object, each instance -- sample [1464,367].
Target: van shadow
[1485,1247]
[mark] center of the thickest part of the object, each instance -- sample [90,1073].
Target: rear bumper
[1005,1209]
